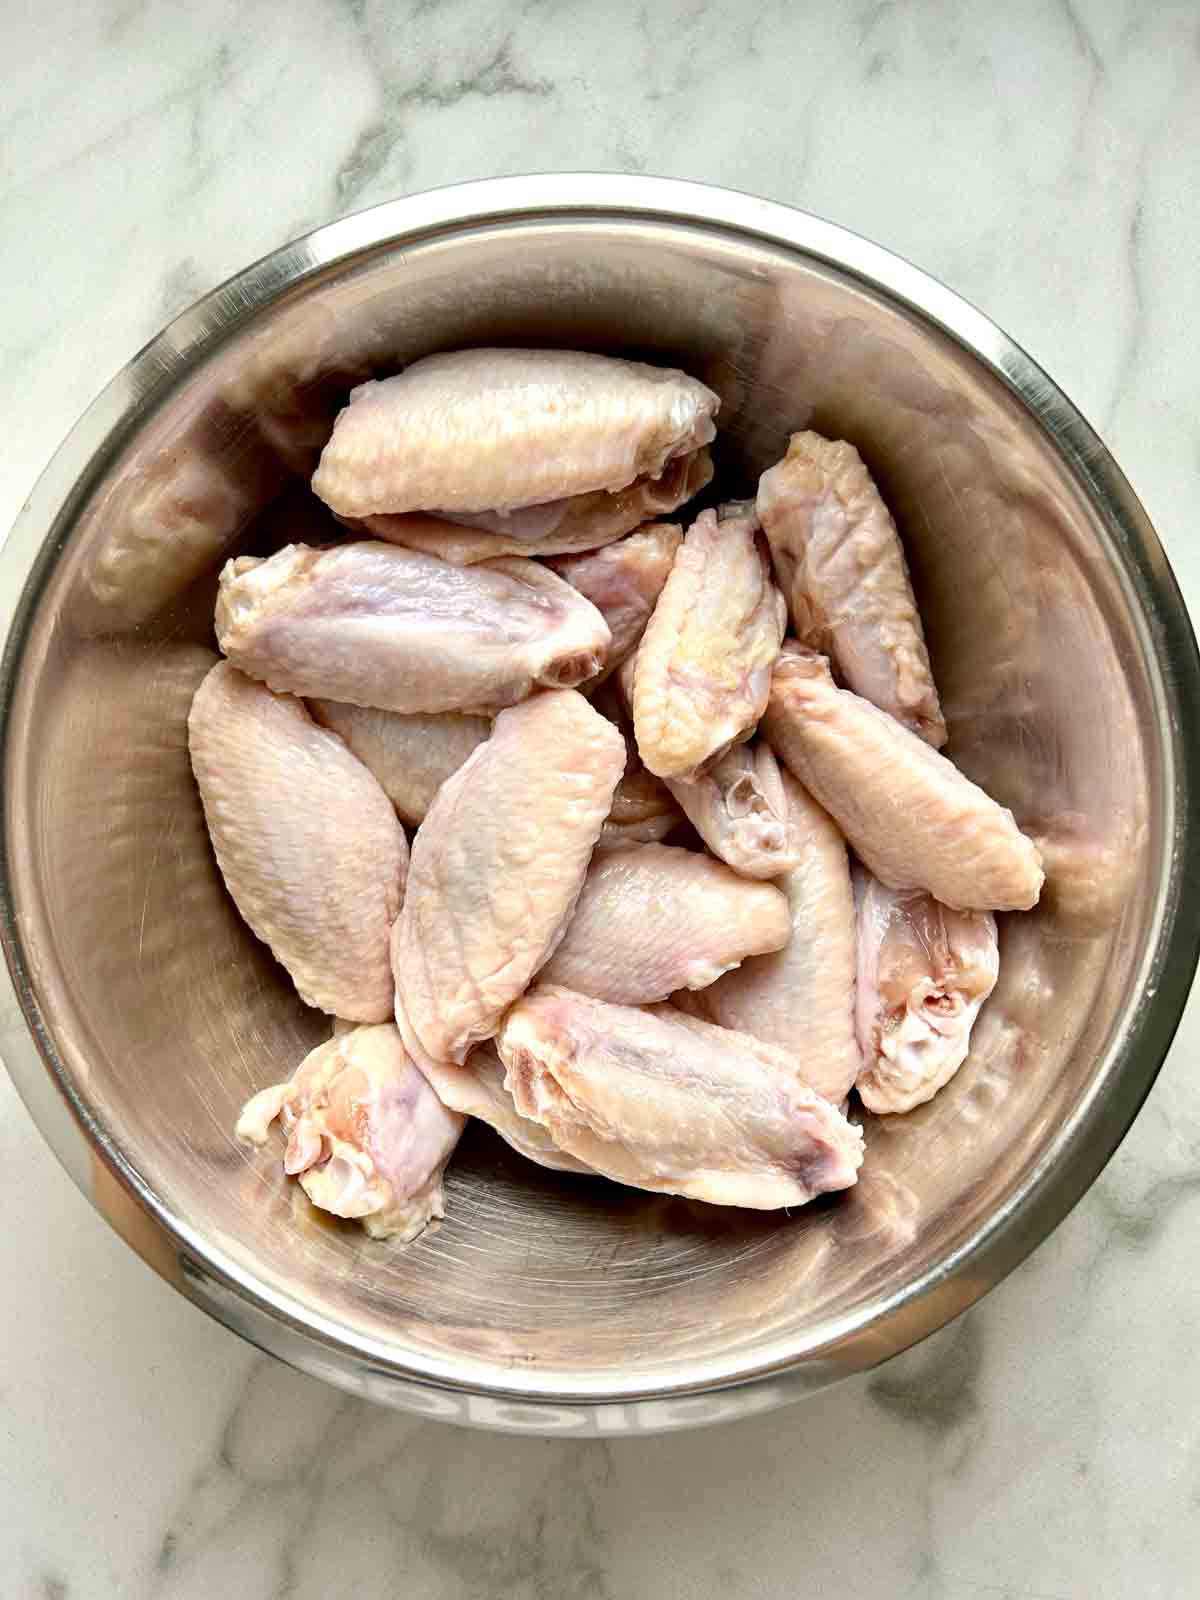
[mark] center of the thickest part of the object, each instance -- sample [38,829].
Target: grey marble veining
[1042,159]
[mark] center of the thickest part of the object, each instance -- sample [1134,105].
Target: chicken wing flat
[411,755]
[497,867]
[623,581]
[655,919]
[376,625]
[492,430]
[307,841]
[840,561]
[702,672]
[583,522]
[910,816]
[663,1102]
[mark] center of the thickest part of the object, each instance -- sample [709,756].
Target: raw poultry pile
[511,656]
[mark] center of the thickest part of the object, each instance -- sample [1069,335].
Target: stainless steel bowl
[1069,676]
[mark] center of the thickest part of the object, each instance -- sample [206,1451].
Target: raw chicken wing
[923,973]
[376,625]
[307,842]
[491,430]
[801,997]
[642,812]
[841,564]
[663,1102]
[582,522]
[497,867]
[774,1056]
[909,815]
[623,581]
[477,1090]
[702,673]
[655,919]
[411,756]
[367,1136]
[739,808]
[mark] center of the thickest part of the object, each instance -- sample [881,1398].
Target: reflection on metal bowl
[149,1013]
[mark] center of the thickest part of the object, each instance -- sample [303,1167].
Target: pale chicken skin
[509,655]
[375,625]
[655,919]
[774,1056]
[584,522]
[497,866]
[411,755]
[702,672]
[841,564]
[367,1136]
[623,581]
[801,998]
[924,971]
[493,430]
[663,1102]
[910,816]
[642,812]
[739,808]
[306,840]
[476,1088]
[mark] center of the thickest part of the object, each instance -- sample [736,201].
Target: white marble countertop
[1043,163]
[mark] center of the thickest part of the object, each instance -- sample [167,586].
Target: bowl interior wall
[168,1013]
